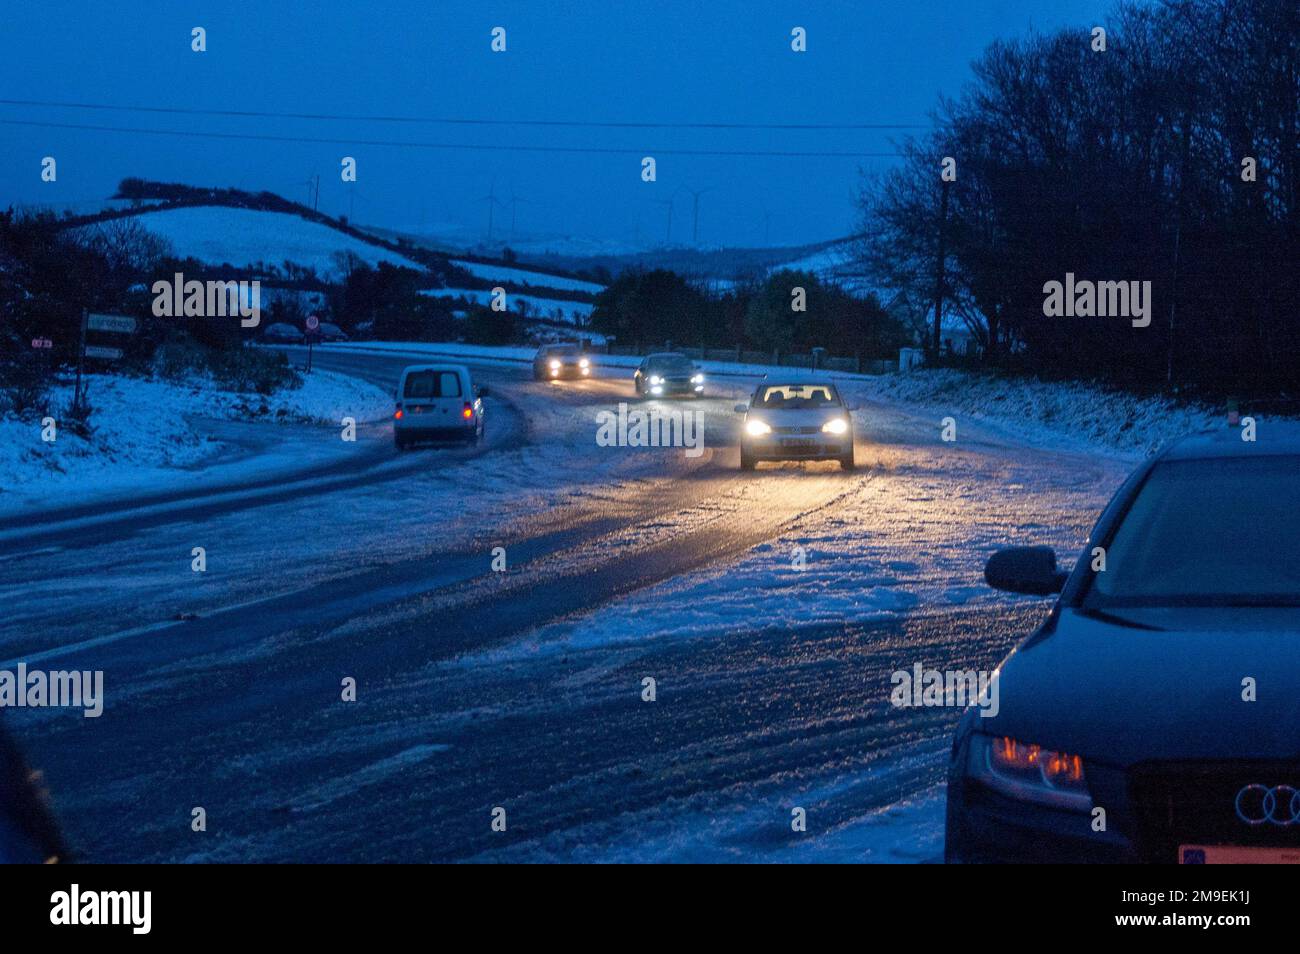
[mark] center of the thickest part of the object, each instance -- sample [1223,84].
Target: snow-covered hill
[219,235]
[519,276]
[551,309]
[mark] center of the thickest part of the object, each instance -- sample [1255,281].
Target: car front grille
[1196,803]
[813,429]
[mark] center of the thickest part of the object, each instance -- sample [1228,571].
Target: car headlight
[655,379]
[1029,772]
[584,363]
[836,425]
[757,428]
[555,365]
[697,379]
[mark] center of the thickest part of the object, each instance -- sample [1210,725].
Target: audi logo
[1279,805]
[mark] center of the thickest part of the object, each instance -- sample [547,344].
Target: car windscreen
[669,366]
[432,384]
[795,396]
[1211,532]
[558,350]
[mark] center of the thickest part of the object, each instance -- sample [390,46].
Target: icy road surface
[523,690]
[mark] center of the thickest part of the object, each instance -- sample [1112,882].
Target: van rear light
[397,415]
[468,412]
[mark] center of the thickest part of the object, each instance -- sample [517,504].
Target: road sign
[42,343]
[117,324]
[312,322]
[108,354]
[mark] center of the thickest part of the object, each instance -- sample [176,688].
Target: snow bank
[1073,414]
[146,429]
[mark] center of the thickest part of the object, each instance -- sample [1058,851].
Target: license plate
[798,444]
[1236,855]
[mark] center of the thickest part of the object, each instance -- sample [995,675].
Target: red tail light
[397,415]
[468,413]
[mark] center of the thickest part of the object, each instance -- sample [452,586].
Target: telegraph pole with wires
[939,277]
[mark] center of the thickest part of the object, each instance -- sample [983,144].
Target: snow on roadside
[144,429]
[1069,412]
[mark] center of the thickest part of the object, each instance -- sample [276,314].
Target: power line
[314,140]
[460,121]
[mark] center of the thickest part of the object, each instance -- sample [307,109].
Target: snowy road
[523,690]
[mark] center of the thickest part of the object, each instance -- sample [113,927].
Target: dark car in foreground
[1155,715]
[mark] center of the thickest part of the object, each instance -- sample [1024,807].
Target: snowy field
[217,235]
[555,309]
[149,434]
[520,276]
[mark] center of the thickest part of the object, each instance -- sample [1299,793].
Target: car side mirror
[741,408]
[1030,570]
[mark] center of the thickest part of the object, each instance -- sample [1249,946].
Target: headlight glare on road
[1029,772]
[757,428]
[836,425]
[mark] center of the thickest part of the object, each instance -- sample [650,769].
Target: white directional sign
[108,354]
[118,324]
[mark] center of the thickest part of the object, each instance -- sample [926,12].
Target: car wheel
[847,462]
[747,461]
[400,442]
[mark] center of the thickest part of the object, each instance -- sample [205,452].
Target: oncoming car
[666,375]
[437,402]
[1155,715]
[554,361]
[796,421]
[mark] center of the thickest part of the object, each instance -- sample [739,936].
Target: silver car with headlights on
[796,421]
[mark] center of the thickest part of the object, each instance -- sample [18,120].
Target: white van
[437,402]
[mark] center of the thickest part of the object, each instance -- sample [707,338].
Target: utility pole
[81,359]
[695,228]
[939,278]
